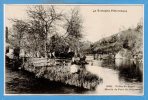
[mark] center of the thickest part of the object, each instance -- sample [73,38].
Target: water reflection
[118,72]
[115,72]
[130,70]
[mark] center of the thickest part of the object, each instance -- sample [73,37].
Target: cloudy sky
[98,20]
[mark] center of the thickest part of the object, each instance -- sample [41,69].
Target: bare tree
[42,22]
[74,29]
[40,26]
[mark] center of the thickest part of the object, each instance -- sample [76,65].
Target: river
[120,77]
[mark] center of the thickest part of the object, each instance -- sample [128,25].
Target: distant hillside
[131,40]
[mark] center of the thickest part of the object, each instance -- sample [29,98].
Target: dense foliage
[38,34]
[130,39]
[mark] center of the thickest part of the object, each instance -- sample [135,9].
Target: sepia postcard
[74,49]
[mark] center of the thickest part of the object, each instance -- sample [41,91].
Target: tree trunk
[45,48]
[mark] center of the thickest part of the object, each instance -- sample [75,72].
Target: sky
[98,20]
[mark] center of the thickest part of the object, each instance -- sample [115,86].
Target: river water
[120,77]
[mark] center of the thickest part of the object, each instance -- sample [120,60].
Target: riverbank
[61,73]
[25,82]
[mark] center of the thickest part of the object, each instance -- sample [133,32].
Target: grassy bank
[60,73]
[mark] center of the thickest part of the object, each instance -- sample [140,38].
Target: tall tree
[74,29]
[20,28]
[42,19]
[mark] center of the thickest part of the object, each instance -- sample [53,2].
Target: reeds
[62,74]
